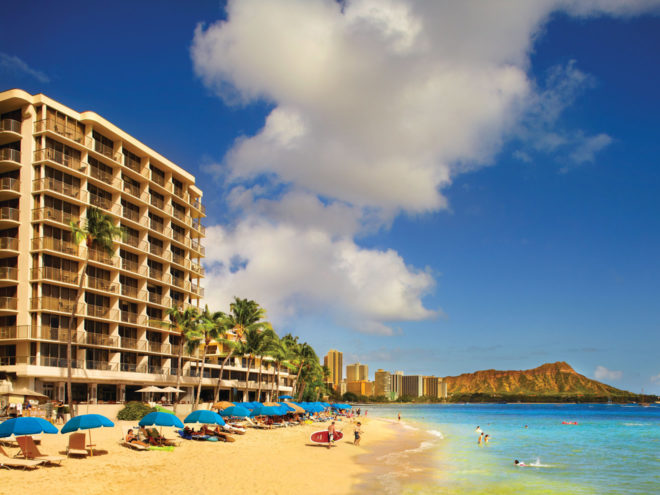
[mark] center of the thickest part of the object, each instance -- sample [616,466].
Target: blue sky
[431,188]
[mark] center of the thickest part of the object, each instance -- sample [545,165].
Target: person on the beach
[481,437]
[131,438]
[331,434]
[60,412]
[399,416]
[358,434]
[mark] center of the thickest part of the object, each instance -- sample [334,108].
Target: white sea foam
[395,457]
[408,427]
[436,433]
[634,424]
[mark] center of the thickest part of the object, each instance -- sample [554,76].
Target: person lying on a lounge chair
[131,438]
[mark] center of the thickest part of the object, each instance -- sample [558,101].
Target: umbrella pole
[91,447]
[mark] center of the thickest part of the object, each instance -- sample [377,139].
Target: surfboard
[322,436]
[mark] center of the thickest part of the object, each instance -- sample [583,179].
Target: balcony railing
[178,236]
[197,204]
[10,184]
[133,367]
[180,259]
[58,245]
[100,201]
[101,256]
[55,362]
[50,303]
[10,243]
[132,240]
[101,365]
[157,226]
[8,273]
[198,290]
[99,147]
[10,125]
[129,291]
[181,283]
[129,343]
[198,248]
[131,266]
[8,333]
[198,269]
[55,185]
[158,299]
[101,312]
[101,284]
[157,202]
[63,129]
[133,318]
[158,179]
[10,154]
[199,228]
[156,274]
[57,274]
[101,339]
[134,165]
[57,157]
[60,216]
[8,213]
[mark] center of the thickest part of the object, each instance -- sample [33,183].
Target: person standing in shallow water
[481,437]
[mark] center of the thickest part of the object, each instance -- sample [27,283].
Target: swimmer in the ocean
[518,463]
[478,430]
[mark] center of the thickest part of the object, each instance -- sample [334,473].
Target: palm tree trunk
[216,393]
[201,375]
[178,372]
[295,383]
[261,364]
[69,338]
[277,385]
[247,377]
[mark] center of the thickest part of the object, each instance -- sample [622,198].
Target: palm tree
[182,323]
[281,354]
[210,326]
[307,359]
[244,315]
[266,336]
[100,232]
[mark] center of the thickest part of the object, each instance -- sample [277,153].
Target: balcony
[157,226]
[133,164]
[101,312]
[100,201]
[50,184]
[128,265]
[129,343]
[100,284]
[157,202]
[100,339]
[159,299]
[55,362]
[9,243]
[101,365]
[10,155]
[101,148]
[8,213]
[180,260]
[133,318]
[100,256]
[198,248]
[58,157]
[10,185]
[159,347]
[199,228]
[132,240]
[133,367]
[51,244]
[129,291]
[8,303]
[198,269]
[49,303]
[56,274]
[197,204]
[179,237]
[196,289]
[63,129]
[10,125]
[181,283]
[54,215]
[156,274]
[158,179]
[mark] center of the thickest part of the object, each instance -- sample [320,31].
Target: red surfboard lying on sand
[323,436]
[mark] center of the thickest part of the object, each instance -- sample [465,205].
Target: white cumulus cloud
[603,374]
[376,106]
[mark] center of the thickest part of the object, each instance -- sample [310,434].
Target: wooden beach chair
[10,462]
[30,451]
[77,445]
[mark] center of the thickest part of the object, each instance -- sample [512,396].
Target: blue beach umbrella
[237,411]
[25,426]
[285,397]
[262,410]
[161,419]
[204,416]
[87,422]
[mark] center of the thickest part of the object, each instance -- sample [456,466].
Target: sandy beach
[261,461]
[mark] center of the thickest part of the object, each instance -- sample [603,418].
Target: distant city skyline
[429,199]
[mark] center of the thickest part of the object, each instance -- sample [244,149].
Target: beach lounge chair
[30,451]
[131,445]
[77,445]
[10,462]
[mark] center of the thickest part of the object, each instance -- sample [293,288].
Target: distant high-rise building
[357,372]
[361,387]
[431,386]
[443,388]
[396,384]
[412,385]
[382,383]
[334,361]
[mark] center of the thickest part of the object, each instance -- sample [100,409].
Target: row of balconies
[50,184]
[98,256]
[74,163]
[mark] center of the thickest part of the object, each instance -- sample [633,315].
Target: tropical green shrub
[133,411]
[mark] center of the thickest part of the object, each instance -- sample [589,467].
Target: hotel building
[412,385]
[382,383]
[357,372]
[55,163]
[334,361]
[396,384]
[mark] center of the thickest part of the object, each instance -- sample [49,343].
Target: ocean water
[613,449]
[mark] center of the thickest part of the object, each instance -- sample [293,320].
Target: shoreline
[266,461]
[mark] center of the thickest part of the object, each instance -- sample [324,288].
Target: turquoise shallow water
[614,449]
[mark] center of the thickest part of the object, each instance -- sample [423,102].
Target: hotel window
[132,161]
[131,185]
[157,200]
[62,153]
[100,170]
[99,197]
[130,211]
[102,144]
[157,175]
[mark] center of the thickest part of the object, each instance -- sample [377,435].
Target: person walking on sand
[358,434]
[399,416]
[331,434]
